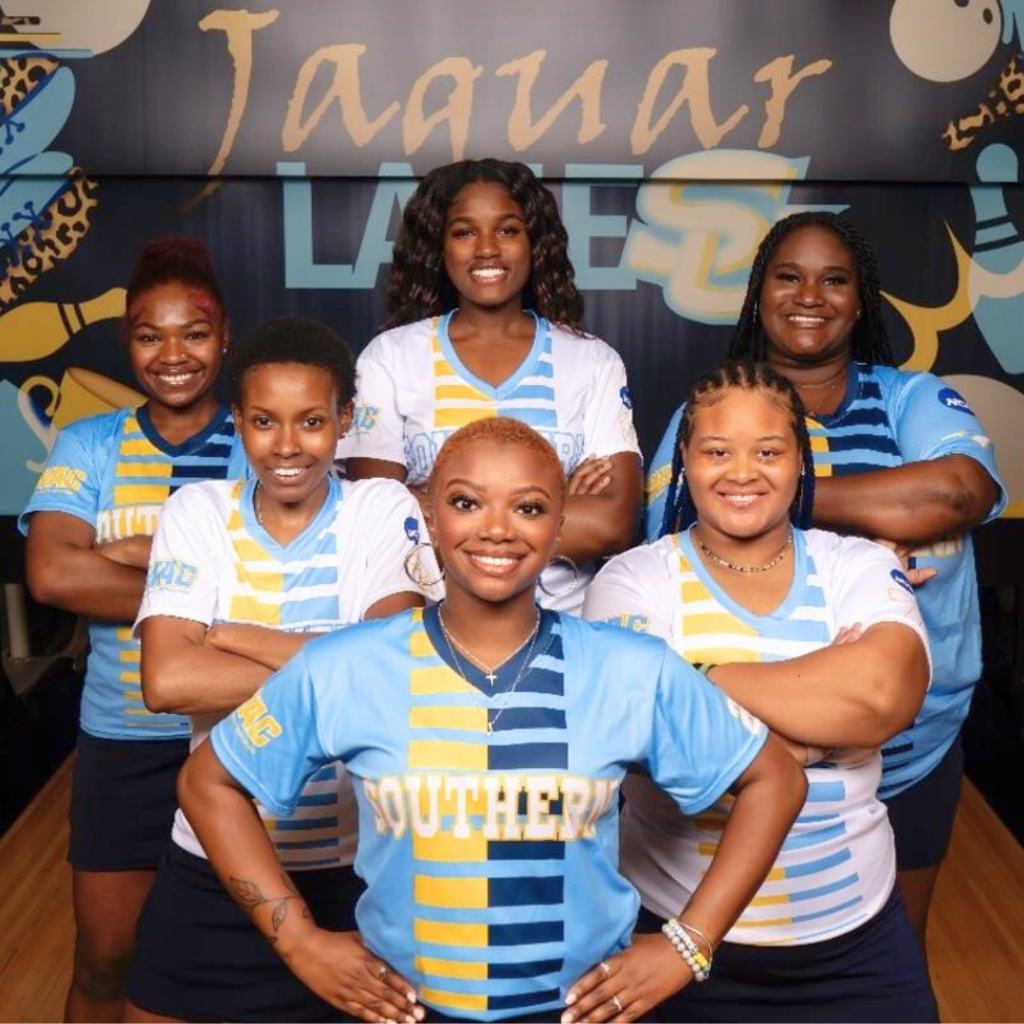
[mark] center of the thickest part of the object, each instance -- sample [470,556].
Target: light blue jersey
[115,472]
[889,418]
[488,816]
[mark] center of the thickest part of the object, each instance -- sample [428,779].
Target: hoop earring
[415,572]
[565,592]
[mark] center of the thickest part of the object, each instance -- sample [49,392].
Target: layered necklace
[726,564]
[826,387]
[491,673]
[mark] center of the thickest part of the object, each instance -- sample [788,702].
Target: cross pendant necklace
[491,680]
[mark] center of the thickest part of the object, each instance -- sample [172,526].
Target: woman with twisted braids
[898,456]
[486,321]
[819,636]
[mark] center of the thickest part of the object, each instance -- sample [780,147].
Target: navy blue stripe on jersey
[524,969]
[526,718]
[528,755]
[524,1001]
[528,934]
[522,891]
[500,849]
[863,442]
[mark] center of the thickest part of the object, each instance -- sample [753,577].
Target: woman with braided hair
[898,456]
[820,637]
[486,321]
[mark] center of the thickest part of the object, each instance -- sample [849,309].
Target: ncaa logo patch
[951,400]
[902,580]
[412,529]
[627,398]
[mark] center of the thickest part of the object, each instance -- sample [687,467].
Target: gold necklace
[726,564]
[829,386]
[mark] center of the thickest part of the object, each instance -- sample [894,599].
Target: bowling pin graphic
[997,274]
[34,330]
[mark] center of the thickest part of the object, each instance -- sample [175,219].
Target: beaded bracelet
[699,965]
[703,667]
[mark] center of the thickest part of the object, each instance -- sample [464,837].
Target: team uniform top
[488,826]
[212,562]
[837,866]
[415,392]
[115,472]
[888,418]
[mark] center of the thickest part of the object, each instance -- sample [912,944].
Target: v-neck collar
[293,549]
[781,612]
[507,675]
[221,418]
[507,386]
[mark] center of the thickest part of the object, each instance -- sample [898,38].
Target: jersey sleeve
[701,740]
[632,591]
[377,425]
[933,421]
[868,586]
[71,479]
[659,477]
[608,420]
[396,528]
[272,743]
[184,569]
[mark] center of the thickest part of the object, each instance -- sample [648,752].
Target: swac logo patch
[171,574]
[627,398]
[258,724]
[412,529]
[951,400]
[902,580]
[364,419]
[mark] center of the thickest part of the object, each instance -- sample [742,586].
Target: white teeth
[740,499]
[806,321]
[488,560]
[488,273]
[287,473]
[177,378]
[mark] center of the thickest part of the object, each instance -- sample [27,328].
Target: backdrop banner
[674,133]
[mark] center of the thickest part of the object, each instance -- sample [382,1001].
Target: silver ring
[607,970]
[618,1005]
[382,972]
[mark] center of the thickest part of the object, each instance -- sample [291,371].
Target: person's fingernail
[570,999]
[607,480]
[419,1013]
[567,1018]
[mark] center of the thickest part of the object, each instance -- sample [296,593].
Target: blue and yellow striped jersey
[489,815]
[116,472]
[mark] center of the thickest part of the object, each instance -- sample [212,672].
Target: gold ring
[607,970]
[618,1005]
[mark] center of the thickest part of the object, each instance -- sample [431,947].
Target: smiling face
[742,466]
[176,338]
[497,512]
[810,298]
[290,423]
[487,252]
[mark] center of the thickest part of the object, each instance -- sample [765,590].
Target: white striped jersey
[837,865]
[115,471]
[415,392]
[212,562]
[488,815]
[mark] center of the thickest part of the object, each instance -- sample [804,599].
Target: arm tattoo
[249,896]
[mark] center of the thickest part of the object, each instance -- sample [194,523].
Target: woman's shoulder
[99,430]
[597,641]
[387,344]
[836,552]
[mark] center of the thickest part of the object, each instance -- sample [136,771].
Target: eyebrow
[305,412]
[187,323]
[518,492]
[830,266]
[723,437]
[504,216]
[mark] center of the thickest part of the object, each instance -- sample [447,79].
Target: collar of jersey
[854,379]
[507,673]
[506,387]
[297,548]
[221,420]
[764,624]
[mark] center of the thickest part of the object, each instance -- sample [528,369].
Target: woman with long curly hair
[899,456]
[485,320]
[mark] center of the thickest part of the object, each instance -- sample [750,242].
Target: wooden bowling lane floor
[975,941]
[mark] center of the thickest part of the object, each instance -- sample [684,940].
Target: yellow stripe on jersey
[445,848]
[467,719]
[459,393]
[450,892]
[716,622]
[132,694]
[419,643]
[455,418]
[249,551]
[141,494]
[131,656]
[264,582]
[449,933]
[774,922]
[456,1000]
[131,677]
[137,446]
[144,469]
[768,901]
[437,679]
[124,633]
[442,755]
[250,609]
[450,968]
